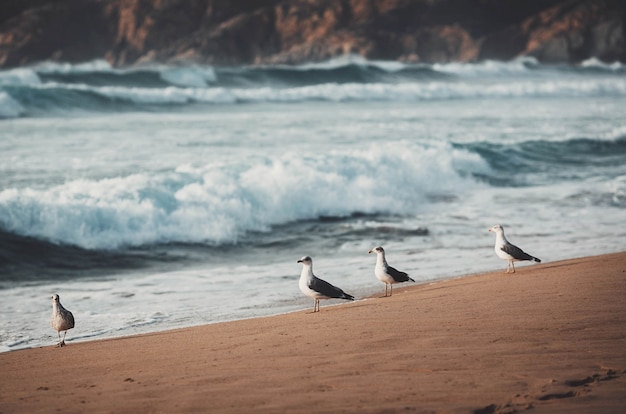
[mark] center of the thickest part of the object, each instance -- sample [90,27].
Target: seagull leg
[59,344]
[513,266]
[316,306]
[63,342]
[390,289]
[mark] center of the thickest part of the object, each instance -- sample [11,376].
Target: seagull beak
[299,261]
[371,251]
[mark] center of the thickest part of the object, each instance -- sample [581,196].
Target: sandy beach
[549,338]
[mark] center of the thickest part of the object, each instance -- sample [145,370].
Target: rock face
[568,32]
[128,32]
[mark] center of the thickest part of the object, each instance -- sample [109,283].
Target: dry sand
[550,339]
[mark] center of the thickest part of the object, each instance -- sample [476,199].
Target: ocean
[160,197]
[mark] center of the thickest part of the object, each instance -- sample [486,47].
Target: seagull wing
[328,290]
[517,253]
[397,275]
[67,315]
[70,317]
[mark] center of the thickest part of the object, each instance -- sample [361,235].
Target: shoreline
[551,337]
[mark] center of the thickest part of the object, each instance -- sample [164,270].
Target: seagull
[62,319]
[507,251]
[317,288]
[385,273]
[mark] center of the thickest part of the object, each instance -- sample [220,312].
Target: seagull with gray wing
[507,251]
[385,273]
[317,288]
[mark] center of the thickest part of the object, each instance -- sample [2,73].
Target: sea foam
[216,203]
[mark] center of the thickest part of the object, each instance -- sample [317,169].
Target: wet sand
[550,338]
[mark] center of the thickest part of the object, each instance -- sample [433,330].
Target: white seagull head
[496,229]
[306,260]
[55,298]
[377,250]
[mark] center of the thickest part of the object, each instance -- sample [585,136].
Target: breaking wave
[218,204]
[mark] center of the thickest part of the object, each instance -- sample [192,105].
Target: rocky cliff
[128,32]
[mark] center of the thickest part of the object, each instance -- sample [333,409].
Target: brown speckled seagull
[61,320]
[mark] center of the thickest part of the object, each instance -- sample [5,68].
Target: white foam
[98,65]
[190,76]
[218,203]
[488,67]
[350,59]
[597,63]
[19,77]
[333,63]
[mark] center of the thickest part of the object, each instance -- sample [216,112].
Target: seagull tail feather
[536,259]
